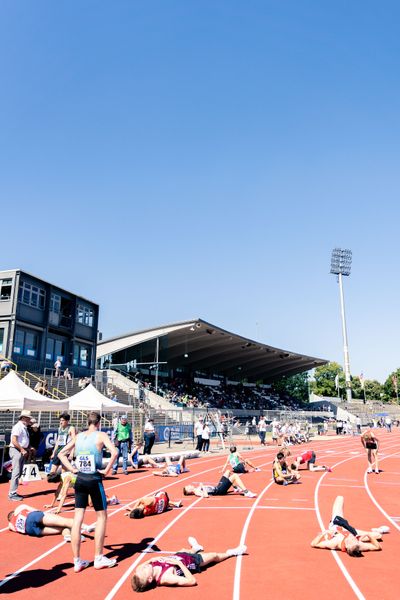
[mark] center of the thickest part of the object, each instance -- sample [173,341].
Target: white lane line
[238,566]
[339,562]
[378,506]
[35,560]
[122,579]
[341,485]
[267,507]
[38,558]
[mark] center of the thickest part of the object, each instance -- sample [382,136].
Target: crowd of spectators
[224,396]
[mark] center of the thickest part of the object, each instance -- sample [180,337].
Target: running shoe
[381,529]
[16,497]
[377,471]
[88,528]
[104,563]
[249,494]
[237,489]
[194,544]
[80,564]
[177,504]
[67,538]
[113,500]
[237,551]
[369,471]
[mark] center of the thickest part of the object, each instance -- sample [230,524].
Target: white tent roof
[92,399]
[16,395]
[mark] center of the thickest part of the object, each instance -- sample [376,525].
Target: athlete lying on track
[237,463]
[151,505]
[172,470]
[68,480]
[227,480]
[35,523]
[178,569]
[340,535]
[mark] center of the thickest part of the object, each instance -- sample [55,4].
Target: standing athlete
[65,434]
[89,461]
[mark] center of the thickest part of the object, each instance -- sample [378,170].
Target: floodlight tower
[341,266]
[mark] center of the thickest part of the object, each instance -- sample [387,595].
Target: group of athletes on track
[80,456]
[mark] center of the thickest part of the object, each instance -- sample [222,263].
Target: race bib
[160,506]
[20,523]
[85,463]
[62,439]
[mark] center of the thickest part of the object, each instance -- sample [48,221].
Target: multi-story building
[40,323]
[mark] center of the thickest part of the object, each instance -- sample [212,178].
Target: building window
[82,356]
[5,289]
[49,348]
[31,295]
[26,342]
[1,338]
[59,350]
[85,315]
[55,303]
[31,344]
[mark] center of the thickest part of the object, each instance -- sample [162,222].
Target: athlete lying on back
[151,505]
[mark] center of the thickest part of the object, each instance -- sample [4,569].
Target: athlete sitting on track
[151,505]
[68,480]
[178,569]
[35,523]
[237,463]
[307,457]
[282,473]
[221,489]
[171,470]
[340,535]
[371,445]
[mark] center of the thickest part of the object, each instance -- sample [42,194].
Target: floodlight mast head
[341,261]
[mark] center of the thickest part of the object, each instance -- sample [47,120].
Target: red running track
[277,527]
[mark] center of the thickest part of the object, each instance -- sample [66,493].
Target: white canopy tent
[92,399]
[16,395]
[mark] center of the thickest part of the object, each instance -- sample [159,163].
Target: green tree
[324,380]
[295,385]
[389,387]
[373,390]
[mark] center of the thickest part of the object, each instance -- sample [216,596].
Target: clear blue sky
[180,159]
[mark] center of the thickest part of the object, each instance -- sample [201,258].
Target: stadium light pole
[341,266]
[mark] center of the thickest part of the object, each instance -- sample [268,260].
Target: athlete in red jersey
[151,505]
[308,457]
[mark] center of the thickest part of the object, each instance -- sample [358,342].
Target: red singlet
[306,456]
[160,505]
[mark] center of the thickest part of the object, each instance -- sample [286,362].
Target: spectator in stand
[19,452]
[57,367]
[198,432]
[67,375]
[6,366]
[41,387]
[388,424]
[149,436]
[205,438]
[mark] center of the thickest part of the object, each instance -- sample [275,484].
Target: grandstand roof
[202,346]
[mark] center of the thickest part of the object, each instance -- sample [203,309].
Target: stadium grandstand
[197,363]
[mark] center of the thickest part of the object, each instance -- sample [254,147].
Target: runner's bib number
[20,523]
[62,439]
[85,463]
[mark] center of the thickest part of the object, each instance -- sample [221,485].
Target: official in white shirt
[19,448]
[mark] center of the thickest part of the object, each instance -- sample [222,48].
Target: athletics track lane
[274,566]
